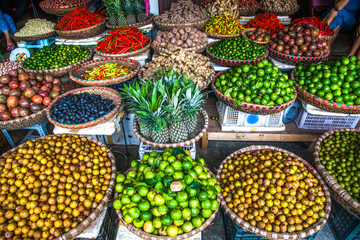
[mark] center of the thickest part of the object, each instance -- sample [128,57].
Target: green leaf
[167,182]
[139,184]
[177,151]
[159,186]
[195,185]
[172,195]
[152,182]
[128,185]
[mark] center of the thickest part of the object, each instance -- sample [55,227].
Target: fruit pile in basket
[223,24]
[324,29]
[51,185]
[336,81]
[107,71]
[259,35]
[78,18]
[167,194]
[22,94]
[260,83]
[272,190]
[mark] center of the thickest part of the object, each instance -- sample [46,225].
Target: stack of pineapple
[166,109]
[125,12]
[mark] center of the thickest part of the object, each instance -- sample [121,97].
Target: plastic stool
[37,44]
[40,128]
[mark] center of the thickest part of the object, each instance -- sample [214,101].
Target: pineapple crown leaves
[194,98]
[139,6]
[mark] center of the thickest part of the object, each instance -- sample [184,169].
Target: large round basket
[103,203]
[249,107]
[202,125]
[247,30]
[295,60]
[33,38]
[273,235]
[104,92]
[169,26]
[248,11]
[324,104]
[280,13]
[222,36]
[60,72]
[233,63]
[198,49]
[62,10]
[337,192]
[150,18]
[77,73]
[139,232]
[127,54]
[84,32]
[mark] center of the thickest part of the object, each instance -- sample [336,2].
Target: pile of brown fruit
[50,185]
[259,35]
[300,40]
[272,190]
[181,37]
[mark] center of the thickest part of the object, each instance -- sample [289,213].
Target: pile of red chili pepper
[267,21]
[123,40]
[324,28]
[223,24]
[78,18]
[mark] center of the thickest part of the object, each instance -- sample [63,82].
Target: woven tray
[103,203]
[232,63]
[60,72]
[337,192]
[62,10]
[128,54]
[222,36]
[33,38]
[139,232]
[202,125]
[150,18]
[245,31]
[169,26]
[273,235]
[104,92]
[77,73]
[249,107]
[280,13]
[198,49]
[295,60]
[84,32]
[324,104]
[248,11]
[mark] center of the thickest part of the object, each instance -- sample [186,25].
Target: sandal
[10,47]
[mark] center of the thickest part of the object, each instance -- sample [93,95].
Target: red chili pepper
[267,21]
[77,19]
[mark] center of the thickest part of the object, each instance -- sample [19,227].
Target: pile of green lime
[339,154]
[337,81]
[56,56]
[238,48]
[260,83]
[167,194]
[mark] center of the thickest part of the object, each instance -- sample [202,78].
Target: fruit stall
[109,114]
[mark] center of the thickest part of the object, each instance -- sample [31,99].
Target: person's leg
[10,23]
[10,44]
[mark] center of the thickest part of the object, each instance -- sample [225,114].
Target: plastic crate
[231,119]
[343,225]
[314,121]
[144,148]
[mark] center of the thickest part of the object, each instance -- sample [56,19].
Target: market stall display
[331,86]
[219,7]
[279,7]
[223,26]
[62,7]
[48,195]
[237,51]
[25,97]
[267,21]
[273,193]
[188,38]
[35,29]
[189,63]
[337,162]
[182,13]
[256,89]
[247,7]
[80,23]
[103,73]
[257,35]
[124,42]
[57,60]
[185,204]
[83,107]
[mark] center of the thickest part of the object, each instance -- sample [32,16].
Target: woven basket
[249,107]
[273,235]
[232,63]
[222,36]
[150,18]
[198,49]
[280,13]
[324,104]
[169,26]
[104,92]
[33,38]
[139,232]
[295,60]
[248,11]
[60,72]
[128,54]
[77,73]
[103,203]
[84,32]
[337,192]
[202,125]
[245,31]
[62,10]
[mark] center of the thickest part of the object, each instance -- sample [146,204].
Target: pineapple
[144,129]
[160,137]
[129,12]
[111,10]
[140,11]
[120,17]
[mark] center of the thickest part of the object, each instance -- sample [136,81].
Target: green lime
[148,227]
[146,216]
